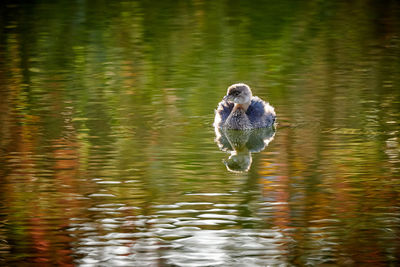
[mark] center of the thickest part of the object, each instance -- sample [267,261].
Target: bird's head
[239,93]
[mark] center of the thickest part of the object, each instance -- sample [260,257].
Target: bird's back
[260,113]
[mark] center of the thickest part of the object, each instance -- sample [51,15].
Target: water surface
[109,157]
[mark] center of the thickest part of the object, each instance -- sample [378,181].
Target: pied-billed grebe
[240,110]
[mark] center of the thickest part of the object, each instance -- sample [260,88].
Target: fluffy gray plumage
[233,114]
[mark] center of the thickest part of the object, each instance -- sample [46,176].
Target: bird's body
[241,110]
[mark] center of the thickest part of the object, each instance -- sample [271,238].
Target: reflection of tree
[329,166]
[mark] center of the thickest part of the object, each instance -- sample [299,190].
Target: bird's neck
[244,106]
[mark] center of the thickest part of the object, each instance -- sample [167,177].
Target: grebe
[240,110]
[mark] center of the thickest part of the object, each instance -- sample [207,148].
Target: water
[109,158]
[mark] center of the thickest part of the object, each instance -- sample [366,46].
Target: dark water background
[109,158]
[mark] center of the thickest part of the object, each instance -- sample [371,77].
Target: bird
[240,110]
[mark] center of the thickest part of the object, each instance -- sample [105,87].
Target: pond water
[109,157]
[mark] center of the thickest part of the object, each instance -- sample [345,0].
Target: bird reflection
[241,143]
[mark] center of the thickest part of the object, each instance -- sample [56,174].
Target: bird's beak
[226,98]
